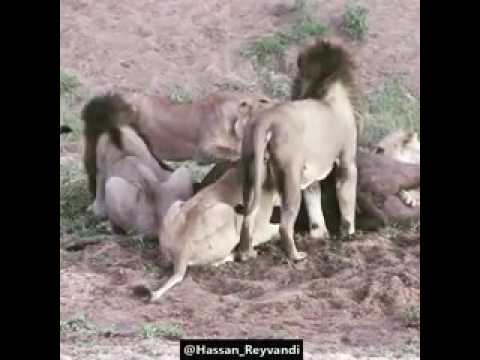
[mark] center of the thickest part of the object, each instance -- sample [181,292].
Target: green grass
[275,45]
[306,28]
[72,94]
[390,107]
[266,48]
[68,83]
[271,46]
[74,200]
[167,330]
[411,318]
[77,324]
[179,95]
[355,21]
[268,52]
[275,85]
[74,195]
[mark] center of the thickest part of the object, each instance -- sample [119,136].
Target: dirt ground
[155,45]
[358,300]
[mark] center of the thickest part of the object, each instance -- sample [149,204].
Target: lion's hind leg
[347,192]
[179,271]
[313,201]
[289,182]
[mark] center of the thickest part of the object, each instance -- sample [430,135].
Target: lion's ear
[411,136]
[245,106]
[262,104]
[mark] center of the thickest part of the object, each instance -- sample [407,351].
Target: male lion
[124,173]
[206,131]
[302,140]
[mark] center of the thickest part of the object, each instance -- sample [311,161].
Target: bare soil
[155,45]
[347,301]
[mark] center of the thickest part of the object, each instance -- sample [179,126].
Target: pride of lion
[266,154]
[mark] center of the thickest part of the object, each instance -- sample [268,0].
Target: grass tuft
[167,330]
[74,200]
[355,22]
[389,108]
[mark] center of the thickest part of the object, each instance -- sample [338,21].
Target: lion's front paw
[408,199]
[298,255]
[347,231]
[246,255]
[317,233]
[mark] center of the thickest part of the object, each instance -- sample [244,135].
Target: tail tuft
[103,114]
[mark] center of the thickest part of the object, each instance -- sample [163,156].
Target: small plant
[274,46]
[412,317]
[68,83]
[389,108]
[168,330]
[74,200]
[72,94]
[267,47]
[180,96]
[77,324]
[268,52]
[275,85]
[305,29]
[232,85]
[355,21]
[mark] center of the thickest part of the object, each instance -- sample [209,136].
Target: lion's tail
[106,113]
[103,114]
[260,141]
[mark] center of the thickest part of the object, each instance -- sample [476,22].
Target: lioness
[206,228]
[403,146]
[207,130]
[125,169]
[304,138]
[400,145]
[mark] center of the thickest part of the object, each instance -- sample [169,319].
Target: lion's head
[221,133]
[319,66]
[401,145]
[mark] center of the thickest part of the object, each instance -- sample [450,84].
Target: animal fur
[300,141]
[132,191]
[206,131]
[205,229]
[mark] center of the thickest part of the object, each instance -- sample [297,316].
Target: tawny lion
[205,229]
[303,139]
[124,170]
